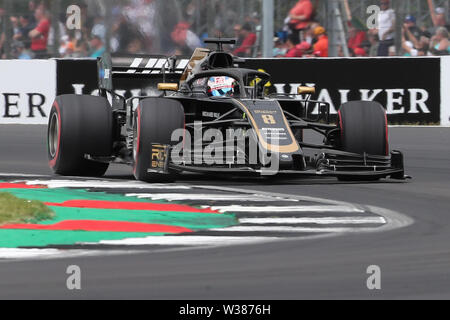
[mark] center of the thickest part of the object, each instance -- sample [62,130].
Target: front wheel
[155,121]
[364,129]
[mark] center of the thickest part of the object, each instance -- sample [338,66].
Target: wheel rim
[53,135]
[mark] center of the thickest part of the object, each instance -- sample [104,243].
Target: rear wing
[139,71]
[143,68]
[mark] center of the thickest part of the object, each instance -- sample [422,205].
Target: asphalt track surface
[414,261]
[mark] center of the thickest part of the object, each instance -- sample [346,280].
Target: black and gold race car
[211,116]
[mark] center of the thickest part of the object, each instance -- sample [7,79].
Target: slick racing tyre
[155,121]
[364,129]
[78,126]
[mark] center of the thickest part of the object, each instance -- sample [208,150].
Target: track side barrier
[413,90]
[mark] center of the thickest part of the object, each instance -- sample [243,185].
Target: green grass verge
[16,210]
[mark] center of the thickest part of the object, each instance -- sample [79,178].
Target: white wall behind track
[445,91]
[27,90]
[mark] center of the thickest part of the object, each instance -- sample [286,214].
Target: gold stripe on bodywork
[293,147]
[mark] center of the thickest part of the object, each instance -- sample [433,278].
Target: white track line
[23,175]
[326,220]
[105,184]
[272,209]
[12,253]
[283,229]
[206,197]
[274,194]
[188,241]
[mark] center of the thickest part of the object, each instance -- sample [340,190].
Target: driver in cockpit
[222,86]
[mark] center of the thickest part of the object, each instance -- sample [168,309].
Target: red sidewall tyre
[79,125]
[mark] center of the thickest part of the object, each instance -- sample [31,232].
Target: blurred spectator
[136,46]
[308,51]
[245,50]
[99,28]
[87,20]
[185,40]
[97,47]
[69,51]
[438,16]
[32,6]
[292,47]
[25,26]
[62,32]
[197,12]
[279,49]
[19,51]
[255,21]
[143,14]
[282,35]
[359,52]
[237,30]
[386,28]
[366,45]
[63,45]
[356,37]
[14,24]
[440,43]
[373,40]
[306,48]
[190,13]
[81,49]
[321,46]
[392,51]
[224,17]
[309,34]
[39,35]
[124,32]
[414,41]
[419,48]
[413,32]
[157,27]
[300,17]
[414,45]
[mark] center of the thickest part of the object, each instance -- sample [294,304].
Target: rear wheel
[364,129]
[155,121]
[79,126]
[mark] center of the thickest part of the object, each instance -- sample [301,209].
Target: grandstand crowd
[151,26]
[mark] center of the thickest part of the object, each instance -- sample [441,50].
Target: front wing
[330,163]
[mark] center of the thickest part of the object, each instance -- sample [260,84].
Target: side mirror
[168,86]
[306,90]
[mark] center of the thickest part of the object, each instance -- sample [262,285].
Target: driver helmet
[221,86]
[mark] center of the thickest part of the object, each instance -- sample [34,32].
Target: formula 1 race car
[211,116]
